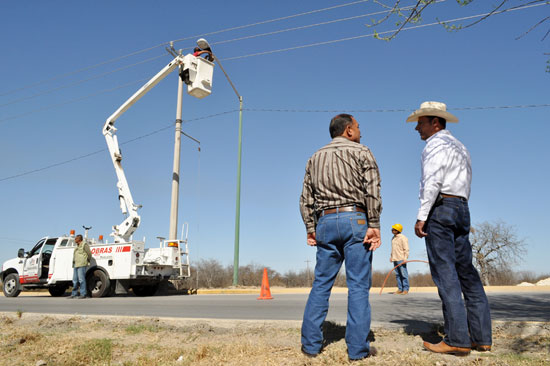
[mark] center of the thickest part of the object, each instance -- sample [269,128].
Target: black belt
[340,209]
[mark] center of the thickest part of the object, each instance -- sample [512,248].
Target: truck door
[45,258]
[32,266]
[61,262]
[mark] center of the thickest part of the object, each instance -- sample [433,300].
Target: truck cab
[34,269]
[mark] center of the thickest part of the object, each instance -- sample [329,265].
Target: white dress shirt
[446,168]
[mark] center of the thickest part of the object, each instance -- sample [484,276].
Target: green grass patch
[140,328]
[94,351]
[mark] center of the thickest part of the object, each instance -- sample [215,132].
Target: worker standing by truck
[81,259]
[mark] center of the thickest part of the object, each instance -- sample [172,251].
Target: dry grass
[86,340]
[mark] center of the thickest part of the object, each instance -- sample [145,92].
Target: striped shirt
[342,173]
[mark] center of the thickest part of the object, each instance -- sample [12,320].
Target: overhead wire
[315,24]
[104,150]
[220,42]
[293,48]
[523,106]
[213,43]
[118,58]
[80,81]
[103,91]
[379,33]
[291,110]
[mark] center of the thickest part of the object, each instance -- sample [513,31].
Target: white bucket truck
[125,263]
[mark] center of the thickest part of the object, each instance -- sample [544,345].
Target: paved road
[387,310]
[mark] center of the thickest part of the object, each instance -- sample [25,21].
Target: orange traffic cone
[265,293]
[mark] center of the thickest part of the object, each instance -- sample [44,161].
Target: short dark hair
[79,236]
[442,121]
[339,123]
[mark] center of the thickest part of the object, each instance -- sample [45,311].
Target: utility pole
[173,233]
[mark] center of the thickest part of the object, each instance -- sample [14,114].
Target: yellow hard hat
[397,227]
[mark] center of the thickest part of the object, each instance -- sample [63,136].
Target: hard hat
[397,227]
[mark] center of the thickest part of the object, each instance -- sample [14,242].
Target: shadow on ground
[333,332]
[429,332]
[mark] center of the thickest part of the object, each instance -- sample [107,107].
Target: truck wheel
[12,287]
[58,290]
[98,283]
[145,290]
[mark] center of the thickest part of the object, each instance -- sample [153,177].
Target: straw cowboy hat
[437,109]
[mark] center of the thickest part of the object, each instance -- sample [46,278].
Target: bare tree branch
[533,27]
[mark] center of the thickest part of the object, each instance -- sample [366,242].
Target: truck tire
[145,290]
[98,283]
[57,290]
[11,285]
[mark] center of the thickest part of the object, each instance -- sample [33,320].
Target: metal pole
[238,203]
[173,233]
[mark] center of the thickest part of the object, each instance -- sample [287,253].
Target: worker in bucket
[81,259]
[444,221]
[340,206]
[399,254]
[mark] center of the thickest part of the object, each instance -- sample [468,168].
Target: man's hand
[419,229]
[311,241]
[372,237]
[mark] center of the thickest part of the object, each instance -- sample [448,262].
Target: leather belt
[340,209]
[452,196]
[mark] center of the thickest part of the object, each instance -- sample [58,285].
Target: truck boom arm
[124,231]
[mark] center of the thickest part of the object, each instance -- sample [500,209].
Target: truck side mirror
[21,253]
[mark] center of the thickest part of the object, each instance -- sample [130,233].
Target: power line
[401,110]
[304,46]
[220,42]
[71,101]
[103,150]
[274,20]
[314,25]
[81,81]
[177,40]
[522,106]
[379,33]
[214,43]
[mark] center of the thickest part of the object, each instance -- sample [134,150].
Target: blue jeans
[401,276]
[340,238]
[450,256]
[79,277]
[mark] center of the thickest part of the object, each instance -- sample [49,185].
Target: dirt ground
[37,339]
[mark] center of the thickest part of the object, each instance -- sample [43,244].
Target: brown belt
[452,196]
[341,209]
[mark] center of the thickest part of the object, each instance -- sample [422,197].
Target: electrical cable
[118,58]
[314,25]
[379,33]
[272,20]
[306,46]
[214,43]
[80,81]
[71,101]
[267,110]
[521,106]
[102,150]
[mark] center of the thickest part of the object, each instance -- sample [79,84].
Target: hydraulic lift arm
[197,73]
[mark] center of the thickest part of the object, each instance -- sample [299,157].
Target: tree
[496,248]
[412,14]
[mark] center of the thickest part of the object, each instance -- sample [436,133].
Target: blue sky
[53,105]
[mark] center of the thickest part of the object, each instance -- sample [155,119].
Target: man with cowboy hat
[444,220]
[399,254]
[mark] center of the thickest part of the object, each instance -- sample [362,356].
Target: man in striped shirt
[340,205]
